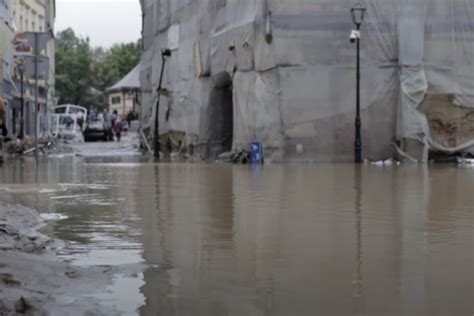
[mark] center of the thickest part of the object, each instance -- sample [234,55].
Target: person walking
[108,126]
[80,119]
[3,119]
[118,129]
[114,117]
[130,118]
[93,116]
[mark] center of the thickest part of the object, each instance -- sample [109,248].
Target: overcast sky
[105,22]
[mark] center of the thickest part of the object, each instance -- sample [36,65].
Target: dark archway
[221,116]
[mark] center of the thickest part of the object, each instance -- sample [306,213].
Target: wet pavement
[217,239]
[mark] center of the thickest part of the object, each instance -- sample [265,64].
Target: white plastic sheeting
[296,89]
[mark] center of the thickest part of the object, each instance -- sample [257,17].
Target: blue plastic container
[256,152]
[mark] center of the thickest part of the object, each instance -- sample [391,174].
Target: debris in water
[53,217]
[388,162]
[465,161]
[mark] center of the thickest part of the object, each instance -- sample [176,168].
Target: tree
[124,57]
[73,68]
[83,74]
[114,64]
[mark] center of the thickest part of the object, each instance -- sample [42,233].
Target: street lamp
[21,69]
[165,54]
[358,14]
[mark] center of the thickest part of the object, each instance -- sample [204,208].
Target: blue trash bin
[256,152]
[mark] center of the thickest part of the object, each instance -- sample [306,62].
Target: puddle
[283,239]
[124,295]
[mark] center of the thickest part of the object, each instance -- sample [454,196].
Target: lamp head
[232,46]
[358,14]
[166,53]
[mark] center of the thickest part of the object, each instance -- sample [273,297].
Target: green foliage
[112,65]
[73,71]
[83,73]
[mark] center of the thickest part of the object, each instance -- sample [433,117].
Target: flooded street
[215,239]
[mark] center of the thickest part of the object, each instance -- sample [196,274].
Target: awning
[130,82]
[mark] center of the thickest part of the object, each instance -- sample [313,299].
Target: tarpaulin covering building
[283,72]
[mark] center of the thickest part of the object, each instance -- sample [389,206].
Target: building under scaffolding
[283,72]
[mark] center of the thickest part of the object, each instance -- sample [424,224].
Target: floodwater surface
[215,239]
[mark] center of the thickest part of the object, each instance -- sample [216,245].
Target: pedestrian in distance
[118,129]
[3,130]
[114,117]
[3,119]
[3,111]
[80,119]
[93,116]
[108,125]
[130,117]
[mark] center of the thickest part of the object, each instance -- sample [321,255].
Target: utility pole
[22,98]
[46,29]
[36,97]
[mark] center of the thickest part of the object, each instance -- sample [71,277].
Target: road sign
[21,45]
[29,68]
[24,43]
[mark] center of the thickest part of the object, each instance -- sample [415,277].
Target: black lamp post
[21,70]
[358,14]
[165,54]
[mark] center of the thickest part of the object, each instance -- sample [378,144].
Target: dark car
[96,131]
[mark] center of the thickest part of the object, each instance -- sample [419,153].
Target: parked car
[95,131]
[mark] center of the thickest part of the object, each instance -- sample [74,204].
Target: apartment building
[30,15]
[6,58]
[34,16]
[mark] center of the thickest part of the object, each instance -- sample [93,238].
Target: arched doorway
[221,116]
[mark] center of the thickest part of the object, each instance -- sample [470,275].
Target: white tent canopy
[130,82]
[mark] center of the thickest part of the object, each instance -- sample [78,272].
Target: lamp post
[358,14]
[165,54]
[22,97]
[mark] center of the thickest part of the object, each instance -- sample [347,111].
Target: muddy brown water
[278,240]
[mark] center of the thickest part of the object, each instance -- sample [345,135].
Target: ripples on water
[277,240]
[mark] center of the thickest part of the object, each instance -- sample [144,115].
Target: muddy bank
[33,281]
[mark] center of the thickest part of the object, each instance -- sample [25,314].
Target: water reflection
[272,240]
[358,281]
[282,241]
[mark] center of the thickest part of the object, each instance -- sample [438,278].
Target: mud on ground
[33,281]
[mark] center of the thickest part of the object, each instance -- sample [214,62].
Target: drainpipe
[143,24]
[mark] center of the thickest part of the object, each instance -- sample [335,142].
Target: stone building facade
[6,57]
[283,72]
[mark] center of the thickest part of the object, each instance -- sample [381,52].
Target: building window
[116,100]
[33,26]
